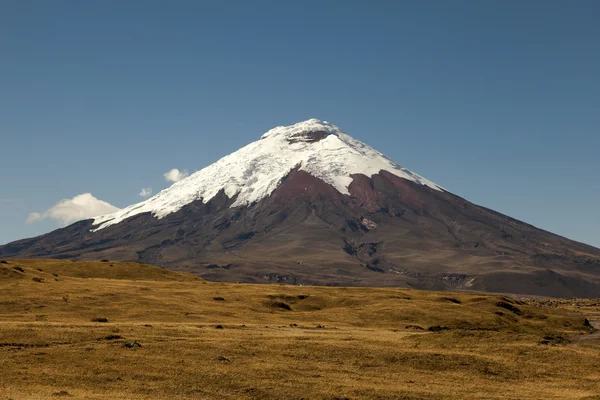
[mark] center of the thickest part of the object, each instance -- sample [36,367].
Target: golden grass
[334,343]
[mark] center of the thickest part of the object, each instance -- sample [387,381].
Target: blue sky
[497,101]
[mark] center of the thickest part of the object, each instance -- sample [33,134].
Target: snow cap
[256,170]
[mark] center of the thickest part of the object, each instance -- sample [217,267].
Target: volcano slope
[388,232]
[170,335]
[334,212]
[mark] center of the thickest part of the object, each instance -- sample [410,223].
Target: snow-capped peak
[256,170]
[311,125]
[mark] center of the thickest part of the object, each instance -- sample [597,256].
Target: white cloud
[80,207]
[35,216]
[145,192]
[175,175]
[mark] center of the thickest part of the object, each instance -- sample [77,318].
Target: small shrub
[554,340]
[104,260]
[450,299]
[66,298]
[99,319]
[477,299]
[437,328]
[281,305]
[3,262]
[509,307]
[38,280]
[218,299]
[19,268]
[219,327]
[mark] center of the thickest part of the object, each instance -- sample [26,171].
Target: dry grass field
[168,335]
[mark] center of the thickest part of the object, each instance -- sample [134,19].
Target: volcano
[307,204]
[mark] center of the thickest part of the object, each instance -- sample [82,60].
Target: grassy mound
[104,269]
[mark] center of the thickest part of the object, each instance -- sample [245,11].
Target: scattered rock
[62,393]
[218,299]
[374,268]
[132,345]
[368,224]
[221,358]
[349,248]
[219,327]
[415,327]
[99,319]
[588,324]
[245,236]
[272,276]
[113,337]
[320,326]
[216,266]
[293,325]
[308,137]
[38,280]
